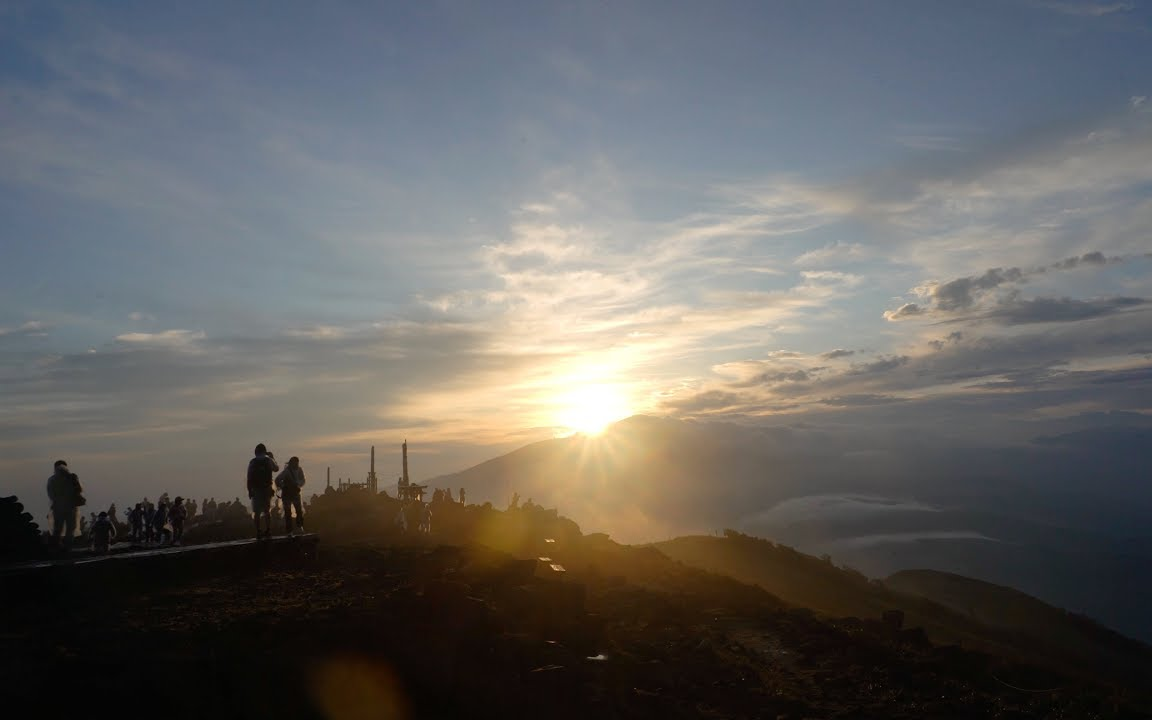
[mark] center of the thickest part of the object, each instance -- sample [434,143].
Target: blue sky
[475,225]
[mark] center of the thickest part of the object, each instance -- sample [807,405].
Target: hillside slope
[1008,609]
[956,509]
[418,628]
[951,609]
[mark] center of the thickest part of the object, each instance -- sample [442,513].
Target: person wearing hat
[64,492]
[261,469]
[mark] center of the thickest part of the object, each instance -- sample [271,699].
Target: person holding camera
[65,494]
[261,469]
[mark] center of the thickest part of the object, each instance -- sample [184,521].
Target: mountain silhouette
[1024,517]
[951,609]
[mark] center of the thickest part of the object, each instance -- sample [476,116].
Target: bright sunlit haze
[904,245]
[591,409]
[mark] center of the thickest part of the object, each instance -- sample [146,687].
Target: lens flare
[353,687]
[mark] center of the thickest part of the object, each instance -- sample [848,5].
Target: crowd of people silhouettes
[272,492]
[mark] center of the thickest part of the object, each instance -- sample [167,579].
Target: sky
[477,225]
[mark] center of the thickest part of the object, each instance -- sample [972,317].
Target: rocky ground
[465,631]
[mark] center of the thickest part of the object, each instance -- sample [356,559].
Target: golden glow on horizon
[592,408]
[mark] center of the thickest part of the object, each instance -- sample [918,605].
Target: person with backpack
[290,482]
[261,469]
[177,516]
[103,532]
[65,495]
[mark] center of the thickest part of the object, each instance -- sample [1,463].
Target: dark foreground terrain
[430,631]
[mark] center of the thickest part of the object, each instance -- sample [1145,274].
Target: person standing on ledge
[290,481]
[260,472]
[64,492]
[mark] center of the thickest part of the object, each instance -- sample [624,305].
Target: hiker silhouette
[65,496]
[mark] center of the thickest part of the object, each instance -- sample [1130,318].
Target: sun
[590,409]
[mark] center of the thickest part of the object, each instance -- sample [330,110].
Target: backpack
[77,491]
[260,472]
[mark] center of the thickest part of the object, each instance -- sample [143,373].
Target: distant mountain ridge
[673,475]
[1045,517]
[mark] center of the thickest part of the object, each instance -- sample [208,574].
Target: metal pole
[404,450]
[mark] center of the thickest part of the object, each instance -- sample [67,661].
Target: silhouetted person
[103,532]
[160,524]
[64,493]
[136,522]
[290,482]
[462,501]
[149,521]
[261,469]
[177,516]
[515,504]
